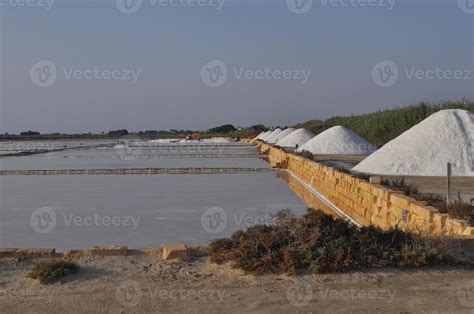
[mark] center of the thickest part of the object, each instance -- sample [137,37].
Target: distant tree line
[382,126]
[223,129]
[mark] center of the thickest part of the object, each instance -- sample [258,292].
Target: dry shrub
[400,184]
[362,176]
[320,243]
[342,169]
[457,209]
[461,210]
[49,271]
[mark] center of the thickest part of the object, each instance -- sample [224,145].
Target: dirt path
[138,284]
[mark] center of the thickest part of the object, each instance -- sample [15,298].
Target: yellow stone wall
[368,204]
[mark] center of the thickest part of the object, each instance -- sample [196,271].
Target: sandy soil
[137,284]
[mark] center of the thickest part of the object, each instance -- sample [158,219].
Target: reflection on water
[308,197]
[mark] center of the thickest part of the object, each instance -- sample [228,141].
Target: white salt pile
[266,135]
[263,134]
[281,135]
[164,141]
[296,138]
[426,148]
[338,140]
[260,135]
[270,137]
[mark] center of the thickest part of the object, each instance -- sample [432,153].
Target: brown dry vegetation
[320,243]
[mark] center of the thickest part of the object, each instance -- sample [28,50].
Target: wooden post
[448,196]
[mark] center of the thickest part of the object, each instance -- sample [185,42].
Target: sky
[90,66]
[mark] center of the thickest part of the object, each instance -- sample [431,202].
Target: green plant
[320,243]
[49,271]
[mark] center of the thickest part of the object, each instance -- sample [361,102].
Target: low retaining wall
[165,251]
[366,203]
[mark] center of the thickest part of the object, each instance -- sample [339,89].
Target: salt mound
[266,135]
[338,140]
[296,138]
[281,135]
[270,137]
[263,134]
[259,135]
[426,148]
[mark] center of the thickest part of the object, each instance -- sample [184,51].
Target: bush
[400,183]
[49,271]
[457,209]
[319,243]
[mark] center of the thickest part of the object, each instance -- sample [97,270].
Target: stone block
[424,212]
[364,186]
[108,250]
[35,253]
[401,201]
[469,231]
[375,180]
[7,253]
[174,251]
[439,221]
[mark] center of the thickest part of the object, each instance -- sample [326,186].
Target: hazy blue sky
[337,46]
